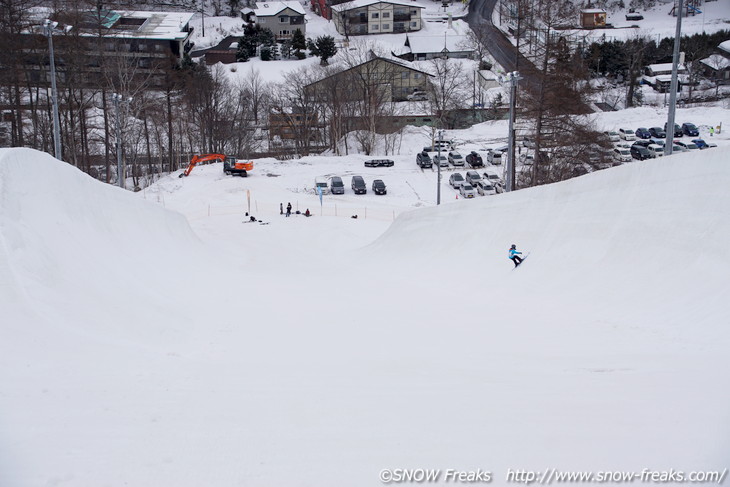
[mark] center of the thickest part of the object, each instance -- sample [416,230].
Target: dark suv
[474,159]
[379,187]
[690,129]
[424,160]
[358,185]
[677,130]
[640,152]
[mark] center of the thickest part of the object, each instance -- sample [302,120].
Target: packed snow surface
[140,347]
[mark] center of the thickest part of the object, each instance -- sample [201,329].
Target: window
[404,75]
[386,15]
[284,19]
[375,15]
[386,26]
[414,24]
[416,75]
[284,32]
[376,27]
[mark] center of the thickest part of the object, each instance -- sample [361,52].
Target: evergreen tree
[313,50]
[298,42]
[266,53]
[286,50]
[326,48]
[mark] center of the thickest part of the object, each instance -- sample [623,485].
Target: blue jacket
[513,253]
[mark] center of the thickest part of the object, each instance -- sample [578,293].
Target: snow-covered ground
[156,339]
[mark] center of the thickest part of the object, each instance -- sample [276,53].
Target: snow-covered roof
[268,9]
[593,11]
[717,62]
[424,44]
[155,25]
[725,46]
[343,7]
[665,68]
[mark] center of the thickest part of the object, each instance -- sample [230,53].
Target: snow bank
[142,356]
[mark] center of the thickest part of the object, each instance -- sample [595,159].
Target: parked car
[379,187]
[621,154]
[658,132]
[467,191]
[690,129]
[495,157]
[358,185]
[527,159]
[702,144]
[679,148]
[687,145]
[424,160]
[642,143]
[643,133]
[456,159]
[474,159]
[658,141]
[656,150]
[612,135]
[417,96]
[634,16]
[677,130]
[320,184]
[639,152]
[336,185]
[627,134]
[456,180]
[485,188]
[379,163]
[472,177]
[442,160]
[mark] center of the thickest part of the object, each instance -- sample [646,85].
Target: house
[282,18]
[360,17]
[591,18]
[659,76]
[390,80]
[717,65]
[419,48]
[324,7]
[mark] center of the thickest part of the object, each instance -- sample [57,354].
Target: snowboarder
[515,255]
[306,213]
[281,208]
[288,209]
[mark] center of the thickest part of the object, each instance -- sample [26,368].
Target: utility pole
[513,78]
[48,28]
[675,82]
[202,13]
[119,99]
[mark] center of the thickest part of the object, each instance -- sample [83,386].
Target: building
[592,18]
[393,81]
[659,76]
[717,65]
[148,42]
[282,18]
[361,17]
[420,48]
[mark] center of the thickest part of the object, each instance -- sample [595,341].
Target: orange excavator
[201,159]
[230,164]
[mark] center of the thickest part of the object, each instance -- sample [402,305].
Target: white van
[656,150]
[320,183]
[494,157]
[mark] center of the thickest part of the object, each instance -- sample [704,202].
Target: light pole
[673,86]
[438,169]
[48,28]
[119,99]
[513,78]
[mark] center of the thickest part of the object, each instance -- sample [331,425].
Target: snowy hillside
[319,351]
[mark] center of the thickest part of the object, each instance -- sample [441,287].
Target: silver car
[485,188]
[456,159]
[456,180]
[467,191]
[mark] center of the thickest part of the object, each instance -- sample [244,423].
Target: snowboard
[523,260]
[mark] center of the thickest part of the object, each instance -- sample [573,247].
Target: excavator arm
[202,158]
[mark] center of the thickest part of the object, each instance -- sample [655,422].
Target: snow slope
[136,353]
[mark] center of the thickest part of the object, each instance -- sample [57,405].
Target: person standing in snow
[281,208]
[288,209]
[514,255]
